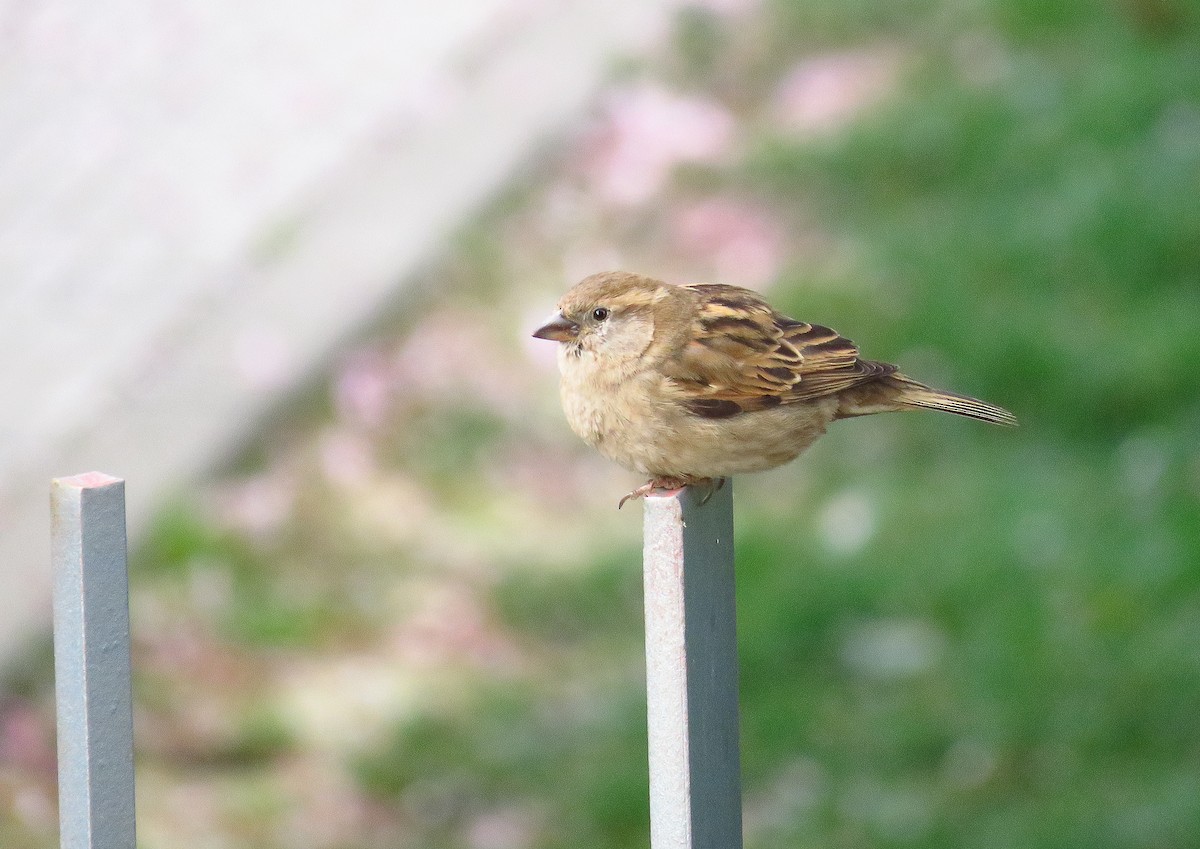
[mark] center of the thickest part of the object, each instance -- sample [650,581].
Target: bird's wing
[744,356]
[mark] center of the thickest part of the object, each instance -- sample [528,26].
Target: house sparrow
[692,384]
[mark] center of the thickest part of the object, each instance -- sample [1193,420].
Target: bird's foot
[672,485]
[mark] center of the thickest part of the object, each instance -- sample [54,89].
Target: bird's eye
[600,313]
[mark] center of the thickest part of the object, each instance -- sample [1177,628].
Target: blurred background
[278,267]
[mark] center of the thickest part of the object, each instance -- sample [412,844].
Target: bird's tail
[910,393]
[895,392]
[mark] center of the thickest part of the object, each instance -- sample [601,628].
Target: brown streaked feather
[747,357]
[900,392]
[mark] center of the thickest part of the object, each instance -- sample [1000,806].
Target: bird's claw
[674,485]
[649,487]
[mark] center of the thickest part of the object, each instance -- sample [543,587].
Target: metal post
[692,672]
[91,662]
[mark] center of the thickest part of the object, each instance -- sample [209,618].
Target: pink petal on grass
[824,93]
[452,356]
[452,623]
[362,389]
[510,827]
[742,242]
[646,131]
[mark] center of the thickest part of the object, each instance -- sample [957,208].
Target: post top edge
[87,480]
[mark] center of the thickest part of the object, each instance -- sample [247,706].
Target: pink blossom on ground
[453,624]
[362,388]
[26,739]
[451,356]
[503,828]
[647,130]
[552,473]
[741,242]
[822,94]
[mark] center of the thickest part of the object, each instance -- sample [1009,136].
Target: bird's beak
[557,328]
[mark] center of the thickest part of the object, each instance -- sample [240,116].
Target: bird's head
[615,316]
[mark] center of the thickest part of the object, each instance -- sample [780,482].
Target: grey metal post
[692,672]
[91,662]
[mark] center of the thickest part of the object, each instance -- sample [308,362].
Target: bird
[691,384]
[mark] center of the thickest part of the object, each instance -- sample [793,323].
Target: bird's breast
[634,419]
[599,403]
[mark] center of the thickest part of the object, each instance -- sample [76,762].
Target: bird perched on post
[692,384]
